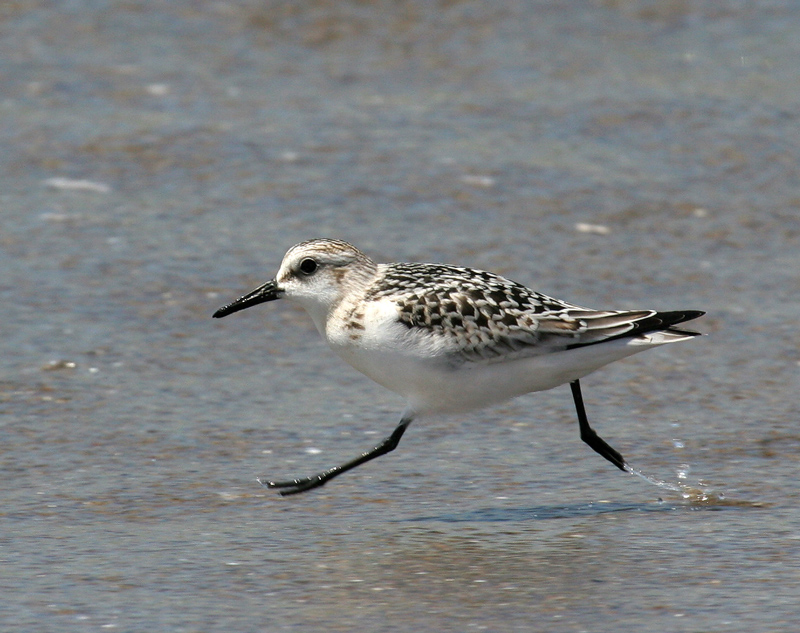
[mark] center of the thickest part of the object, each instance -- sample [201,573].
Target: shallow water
[615,154]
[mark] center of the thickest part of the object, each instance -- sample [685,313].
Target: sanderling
[452,339]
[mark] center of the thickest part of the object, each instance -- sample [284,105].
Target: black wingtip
[669,319]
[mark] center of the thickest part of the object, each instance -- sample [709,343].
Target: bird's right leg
[589,436]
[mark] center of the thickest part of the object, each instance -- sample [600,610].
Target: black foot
[295,486]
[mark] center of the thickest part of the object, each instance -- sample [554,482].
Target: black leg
[589,436]
[388,444]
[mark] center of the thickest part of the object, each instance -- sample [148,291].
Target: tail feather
[641,326]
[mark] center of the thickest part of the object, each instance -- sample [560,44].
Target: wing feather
[479,316]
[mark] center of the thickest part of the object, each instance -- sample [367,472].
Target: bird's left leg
[388,444]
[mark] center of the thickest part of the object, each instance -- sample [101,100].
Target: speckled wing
[482,316]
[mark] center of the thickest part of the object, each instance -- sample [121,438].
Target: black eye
[308,266]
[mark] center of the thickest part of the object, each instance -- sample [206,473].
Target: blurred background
[158,158]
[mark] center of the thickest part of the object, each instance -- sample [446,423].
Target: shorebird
[451,339]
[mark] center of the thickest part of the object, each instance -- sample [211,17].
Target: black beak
[268,292]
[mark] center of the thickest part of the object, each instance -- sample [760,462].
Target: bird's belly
[435,386]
